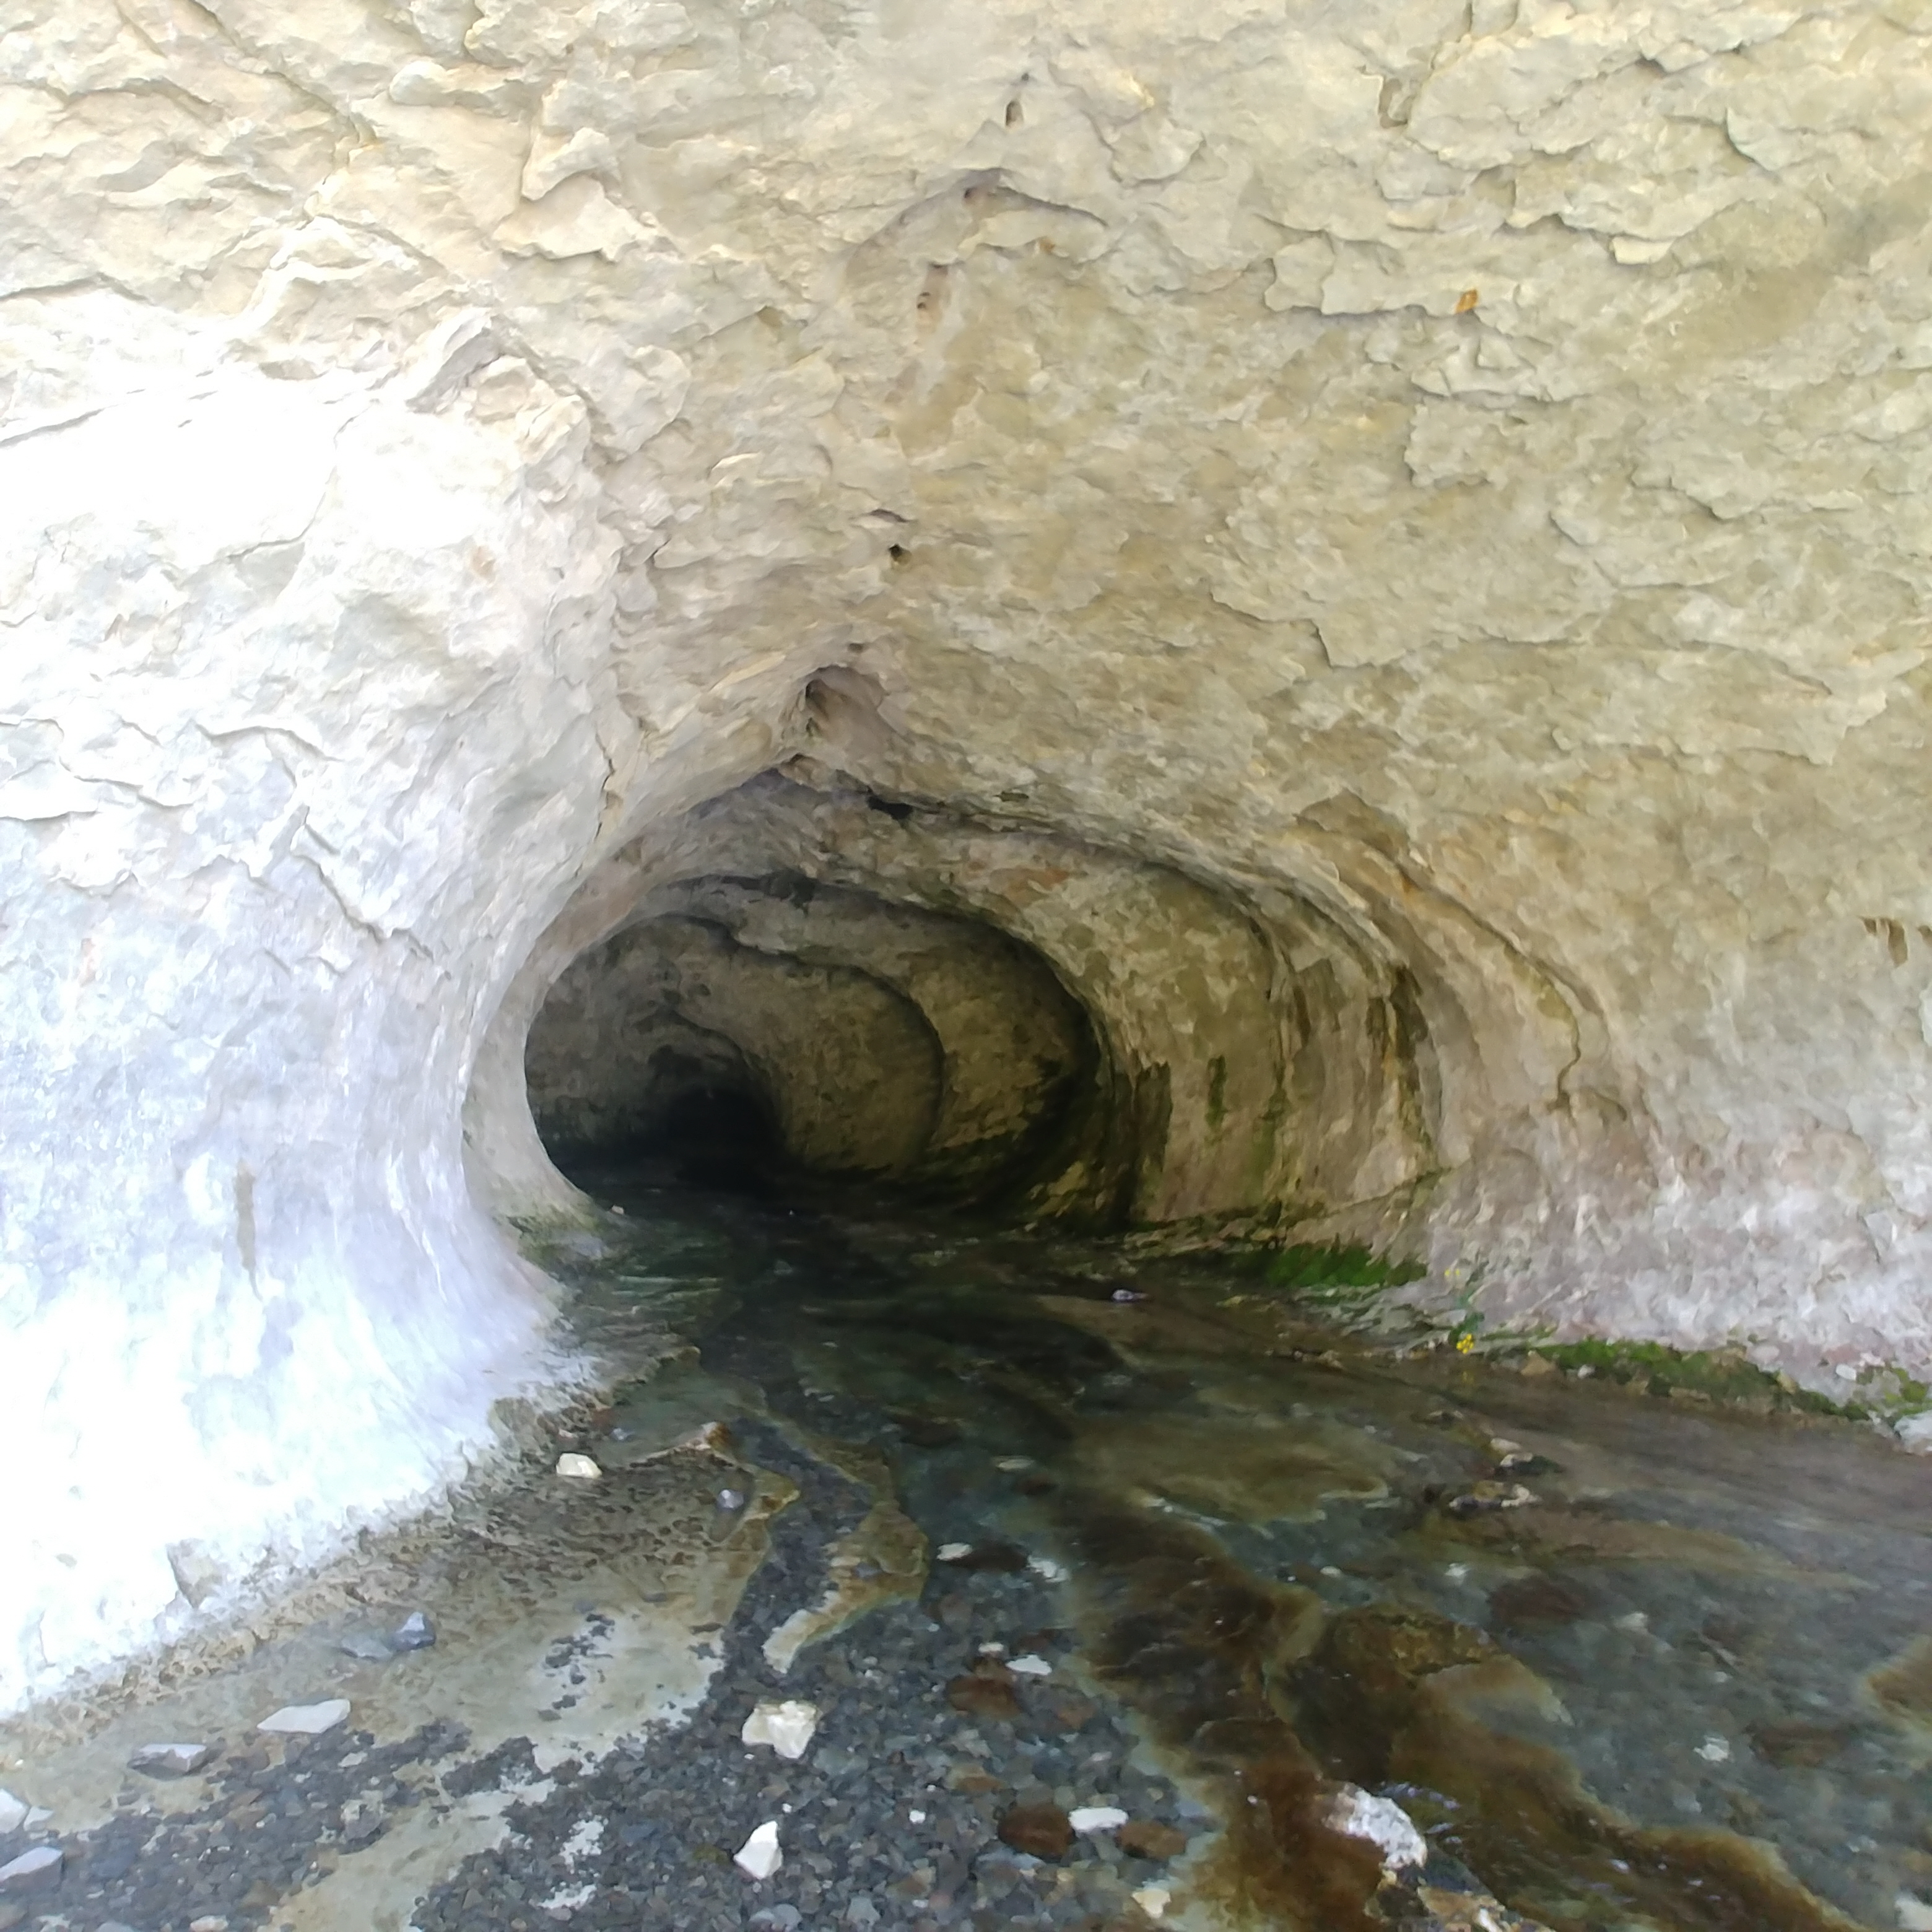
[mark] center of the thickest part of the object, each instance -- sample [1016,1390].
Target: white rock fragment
[915,1817]
[1154,1900]
[760,1856]
[953,1552]
[416,1632]
[1715,1750]
[171,1760]
[1086,1818]
[1361,1814]
[579,1468]
[1046,1568]
[12,1812]
[1031,1666]
[306,1720]
[788,1727]
[36,1870]
[1914,1914]
[1013,1464]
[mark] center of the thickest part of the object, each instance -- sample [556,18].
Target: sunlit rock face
[1381,548]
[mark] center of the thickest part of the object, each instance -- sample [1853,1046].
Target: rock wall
[1423,503]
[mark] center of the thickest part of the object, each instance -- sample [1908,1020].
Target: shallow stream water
[1628,1663]
[1038,1524]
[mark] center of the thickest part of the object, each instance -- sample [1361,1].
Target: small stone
[1154,1900]
[307,1721]
[578,1467]
[1128,1294]
[1148,1838]
[33,1873]
[760,1856]
[210,1923]
[953,1552]
[1048,1569]
[171,1760]
[984,1693]
[1715,1750]
[1361,1814]
[416,1632]
[779,1919]
[1089,1818]
[1010,1464]
[1040,1831]
[367,1645]
[915,1817]
[862,1912]
[786,1727]
[1030,1667]
[12,1812]
[730,1499]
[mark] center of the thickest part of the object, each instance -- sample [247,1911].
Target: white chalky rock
[307,1721]
[12,1812]
[171,1760]
[1047,1569]
[953,1552]
[1361,1814]
[1096,1818]
[35,1870]
[376,660]
[788,1727]
[579,1468]
[760,1856]
[1154,1900]
[1030,1667]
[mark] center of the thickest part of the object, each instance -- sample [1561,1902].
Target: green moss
[1721,1375]
[1333,1272]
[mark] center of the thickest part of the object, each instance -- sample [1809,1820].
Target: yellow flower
[1466,1345]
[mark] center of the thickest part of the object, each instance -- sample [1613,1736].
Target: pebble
[1045,1567]
[730,1499]
[760,1856]
[12,1812]
[171,1760]
[1029,1665]
[1715,1750]
[578,1466]
[370,1647]
[1040,1831]
[786,1727]
[1148,1838]
[211,1922]
[953,1552]
[1361,1814]
[33,1872]
[1011,1464]
[308,1720]
[416,1632]
[1127,1294]
[1154,1900]
[779,1918]
[1088,1818]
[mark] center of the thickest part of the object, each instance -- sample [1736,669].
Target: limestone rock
[1373,563]
[307,1721]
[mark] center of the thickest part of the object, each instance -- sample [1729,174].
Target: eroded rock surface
[1389,546]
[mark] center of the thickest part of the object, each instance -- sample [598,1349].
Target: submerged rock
[307,1721]
[416,1632]
[1041,1831]
[171,1760]
[33,1873]
[1148,1838]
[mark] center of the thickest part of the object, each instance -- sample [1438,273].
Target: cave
[923,752]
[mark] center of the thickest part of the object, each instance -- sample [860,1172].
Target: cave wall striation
[1385,546]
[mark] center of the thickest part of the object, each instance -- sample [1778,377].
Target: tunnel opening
[774,1035]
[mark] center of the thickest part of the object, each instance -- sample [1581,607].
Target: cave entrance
[775,1034]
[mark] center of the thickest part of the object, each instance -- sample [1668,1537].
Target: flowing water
[1628,1663]
[1037,1523]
